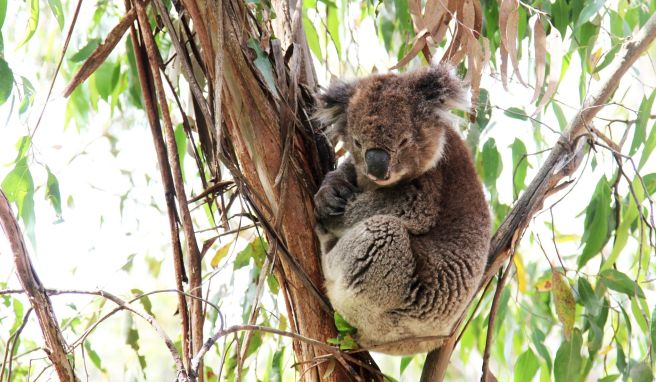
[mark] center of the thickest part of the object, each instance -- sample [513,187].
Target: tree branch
[56,347]
[563,161]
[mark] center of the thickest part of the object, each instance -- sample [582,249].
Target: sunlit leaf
[491,160]
[106,78]
[405,361]
[57,11]
[521,272]
[28,95]
[6,81]
[32,22]
[526,366]
[567,365]
[591,8]
[18,186]
[333,27]
[312,37]
[650,144]
[220,254]
[95,358]
[3,11]
[144,300]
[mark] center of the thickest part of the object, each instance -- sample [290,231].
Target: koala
[403,221]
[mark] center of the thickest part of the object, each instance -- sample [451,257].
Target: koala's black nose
[377,163]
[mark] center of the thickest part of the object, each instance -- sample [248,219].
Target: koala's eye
[357,143]
[404,142]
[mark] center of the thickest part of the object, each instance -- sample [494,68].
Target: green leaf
[491,161]
[567,365]
[650,144]
[610,378]
[52,192]
[587,297]
[620,282]
[516,113]
[526,366]
[3,11]
[590,10]
[28,95]
[263,65]
[18,186]
[106,78]
[520,165]
[272,282]
[641,122]
[6,81]
[564,301]
[342,325]
[86,50]
[653,328]
[32,22]
[95,358]
[144,300]
[405,361]
[181,145]
[56,7]
[312,38]
[642,373]
[596,227]
[560,116]
[256,250]
[22,146]
[333,27]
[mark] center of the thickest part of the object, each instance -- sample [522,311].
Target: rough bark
[564,159]
[55,345]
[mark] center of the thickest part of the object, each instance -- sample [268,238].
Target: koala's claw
[332,197]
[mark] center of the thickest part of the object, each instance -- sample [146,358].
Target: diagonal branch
[56,347]
[563,161]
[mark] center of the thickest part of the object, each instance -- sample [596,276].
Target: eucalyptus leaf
[567,365]
[6,81]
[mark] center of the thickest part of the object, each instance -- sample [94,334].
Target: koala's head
[393,125]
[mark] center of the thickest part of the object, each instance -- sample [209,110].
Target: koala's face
[393,125]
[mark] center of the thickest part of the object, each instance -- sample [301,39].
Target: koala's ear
[332,105]
[440,88]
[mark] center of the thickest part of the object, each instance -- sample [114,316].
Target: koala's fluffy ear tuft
[441,89]
[331,108]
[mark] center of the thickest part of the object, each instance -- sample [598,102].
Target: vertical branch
[55,346]
[145,79]
[174,162]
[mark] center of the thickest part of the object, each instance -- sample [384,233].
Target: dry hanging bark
[564,159]
[55,347]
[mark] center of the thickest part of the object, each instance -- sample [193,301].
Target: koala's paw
[331,199]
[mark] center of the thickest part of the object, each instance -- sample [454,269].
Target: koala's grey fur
[402,256]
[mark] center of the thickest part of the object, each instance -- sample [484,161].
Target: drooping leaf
[526,366]
[491,161]
[6,81]
[95,358]
[405,361]
[620,282]
[256,250]
[28,95]
[564,301]
[52,192]
[650,144]
[644,112]
[591,8]
[567,365]
[312,37]
[596,228]
[18,186]
[106,78]
[587,296]
[32,22]
[144,300]
[653,328]
[57,11]
[3,11]
[520,165]
[333,27]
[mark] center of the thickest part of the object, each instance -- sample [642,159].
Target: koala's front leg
[337,189]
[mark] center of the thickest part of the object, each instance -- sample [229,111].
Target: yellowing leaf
[565,302]
[521,273]
[540,43]
[220,254]
[543,285]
